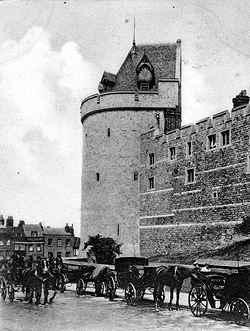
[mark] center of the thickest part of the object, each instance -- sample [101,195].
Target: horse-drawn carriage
[136,276]
[31,278]
[83,273]
[223,285]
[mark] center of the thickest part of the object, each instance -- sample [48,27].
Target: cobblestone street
[91,313]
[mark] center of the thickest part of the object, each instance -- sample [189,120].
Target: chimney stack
[10,221]
[240,99]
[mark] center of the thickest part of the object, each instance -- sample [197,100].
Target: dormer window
[145,74]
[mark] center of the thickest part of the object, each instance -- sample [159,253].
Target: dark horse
[38,280]
[172,276]
[49,275]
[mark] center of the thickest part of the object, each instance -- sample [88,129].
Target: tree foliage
[105,249]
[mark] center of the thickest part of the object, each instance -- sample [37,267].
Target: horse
[172,276]
[49,274]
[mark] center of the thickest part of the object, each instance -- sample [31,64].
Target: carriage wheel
[80,287]
[240,309]
[130,294]
[110,288]
[100,288]
[198,301]
[3,289]
[11,293]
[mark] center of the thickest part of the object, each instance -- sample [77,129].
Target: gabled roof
[161,56]
[29,228]
[55,231]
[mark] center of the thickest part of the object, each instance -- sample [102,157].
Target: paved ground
[91,313]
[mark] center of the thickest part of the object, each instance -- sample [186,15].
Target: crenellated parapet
[214,123]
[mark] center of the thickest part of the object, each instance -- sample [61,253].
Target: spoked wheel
[100,288]
[198,301]
[110,288]
[3,289]
[80,287]
[11,293]
[239,309]
[130,294]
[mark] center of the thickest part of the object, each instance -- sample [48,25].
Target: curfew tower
[145,91]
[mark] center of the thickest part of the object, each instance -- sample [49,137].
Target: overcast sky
[52,55]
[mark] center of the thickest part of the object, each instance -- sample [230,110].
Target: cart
[134,275]
[223,285]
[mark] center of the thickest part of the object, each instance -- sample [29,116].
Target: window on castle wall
[108,132]
[225,138]
[135,175]
[97,177]
[215,194]
[118,229]
[151,158]
[248,163]
[172,153]
[212,141]
[151,183]
[189,148]
[190,176]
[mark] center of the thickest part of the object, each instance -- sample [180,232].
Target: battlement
[216,122]
[165,97]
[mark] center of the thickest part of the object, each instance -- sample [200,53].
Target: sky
[52,55]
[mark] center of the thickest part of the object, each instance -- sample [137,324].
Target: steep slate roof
[55,231]
[161,56]
[28,228]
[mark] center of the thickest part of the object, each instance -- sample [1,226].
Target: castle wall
[110,206]
[177,216]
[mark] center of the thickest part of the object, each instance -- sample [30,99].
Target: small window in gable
[145,74]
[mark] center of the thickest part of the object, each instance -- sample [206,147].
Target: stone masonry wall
[110,191]
[177,217]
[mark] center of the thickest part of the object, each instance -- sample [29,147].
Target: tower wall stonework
[110,203]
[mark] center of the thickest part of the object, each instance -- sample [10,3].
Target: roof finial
[134,45]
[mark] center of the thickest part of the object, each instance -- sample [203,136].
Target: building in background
[30,240]
[59,241]
[36,240]
[7,237]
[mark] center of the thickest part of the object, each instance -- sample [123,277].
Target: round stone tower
[145,92]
